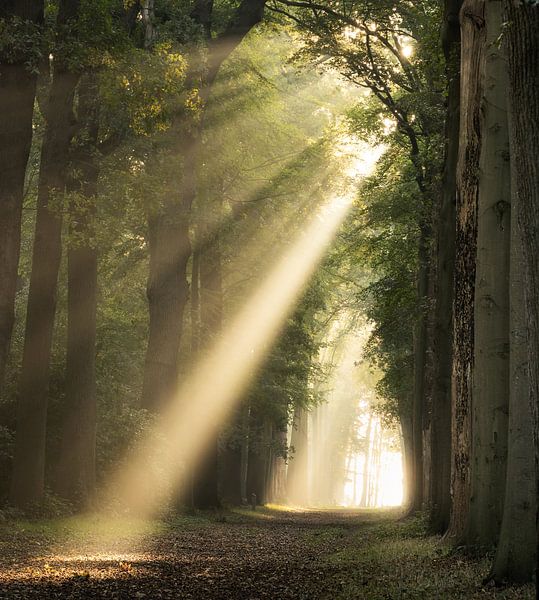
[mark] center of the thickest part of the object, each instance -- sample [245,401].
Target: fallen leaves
[291,556]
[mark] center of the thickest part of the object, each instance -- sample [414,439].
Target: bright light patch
[407,51]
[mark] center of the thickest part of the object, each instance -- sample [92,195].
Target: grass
[397,560]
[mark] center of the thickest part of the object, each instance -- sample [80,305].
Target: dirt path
[277,555]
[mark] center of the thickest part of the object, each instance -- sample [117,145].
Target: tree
[170,246]
[371,46]
[445,255]
[76,476]
[20,21]
[522,48]
[490,388]
[29,463]
[472,53]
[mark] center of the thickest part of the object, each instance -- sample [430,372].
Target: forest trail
[268,554]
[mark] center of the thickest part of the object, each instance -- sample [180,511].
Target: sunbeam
[209,394]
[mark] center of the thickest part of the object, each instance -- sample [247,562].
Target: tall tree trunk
[17,93]
[407,458]
[168,231]
[472,53]
[195,301]
[258,451]
[211,321]
[169,244]
[491,334]
[244,452]
[229,474]
[522,45]
[441,405]
[168,292]
[279,467]
[420,369]
[297,476]
[29,461]
[76,471]
[366,464]
[515,554]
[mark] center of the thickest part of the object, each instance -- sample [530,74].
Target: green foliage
[22,42]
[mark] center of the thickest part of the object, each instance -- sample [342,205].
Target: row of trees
[117,121]
[452,233]
[147,157]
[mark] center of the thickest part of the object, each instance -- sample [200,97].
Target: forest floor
[273,553]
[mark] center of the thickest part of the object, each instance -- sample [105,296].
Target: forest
[269,299]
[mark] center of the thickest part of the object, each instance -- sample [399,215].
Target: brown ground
[270,554]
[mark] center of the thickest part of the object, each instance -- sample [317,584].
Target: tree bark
[408,459]
[515,554]
[29,461]
[491,308]
[17,93]
[168,292]
[522,46]
[472,51]
[441,405]
[76,470]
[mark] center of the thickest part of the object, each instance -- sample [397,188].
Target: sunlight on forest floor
[329,554]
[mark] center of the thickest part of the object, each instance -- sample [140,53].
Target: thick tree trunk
[491,313]
[168,293]
[522,44]
[76,469]
[515,555]
[472,53]
[441,405]
[195,301]
[256,480]
[279,466]
[17,92]
[29,462]
[229,476]
[258,457]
